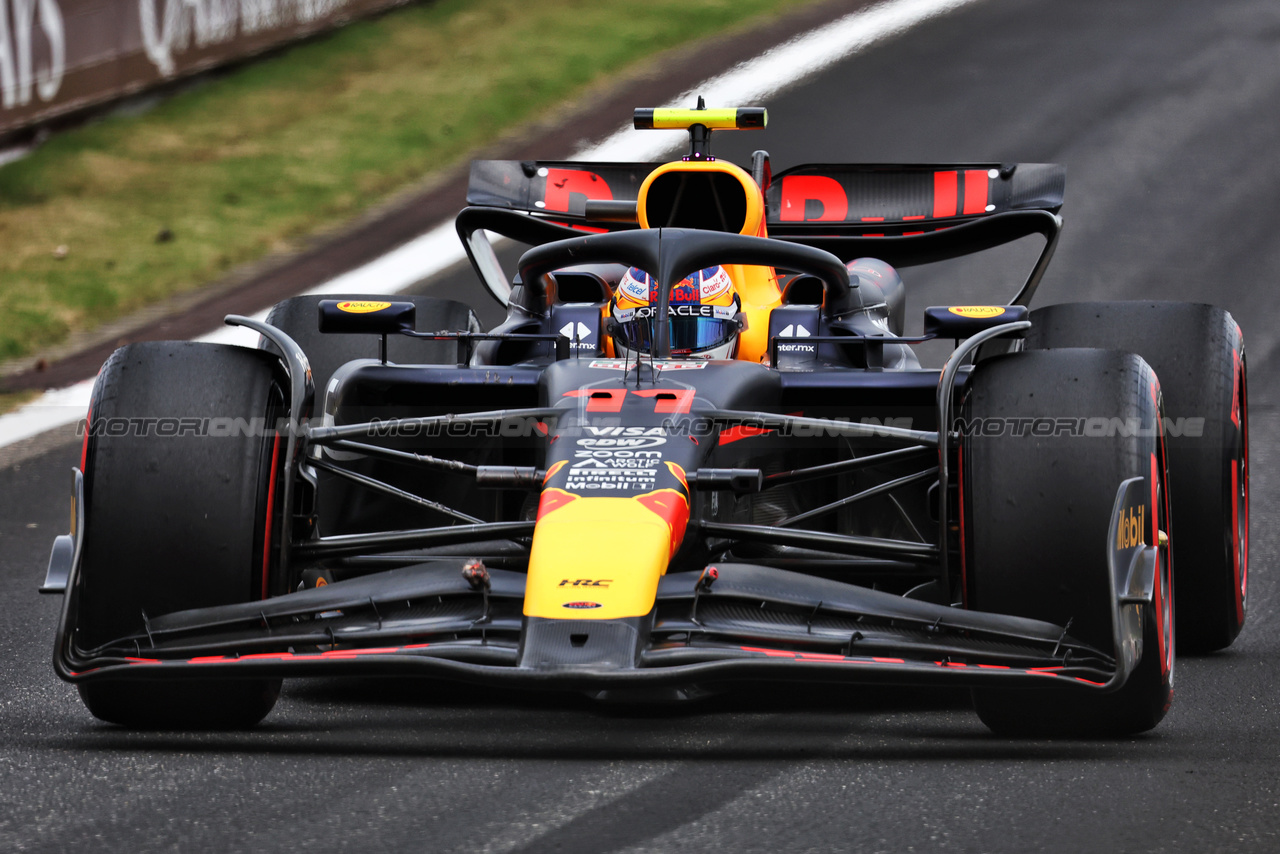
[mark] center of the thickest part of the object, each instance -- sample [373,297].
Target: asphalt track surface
[1165,115]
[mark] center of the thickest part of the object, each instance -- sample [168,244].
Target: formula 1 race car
[699,452]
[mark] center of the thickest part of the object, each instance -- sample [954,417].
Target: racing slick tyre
[298,318]
[1038,498]
[178,514]
[1197,351]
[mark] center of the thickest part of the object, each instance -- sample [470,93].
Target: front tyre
[1038,499]
[179,513]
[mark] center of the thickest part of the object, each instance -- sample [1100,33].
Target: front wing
[751,624]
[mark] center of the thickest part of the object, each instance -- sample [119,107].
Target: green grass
[257,160]
[10,401]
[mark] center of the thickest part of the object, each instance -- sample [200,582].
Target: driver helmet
[705,315]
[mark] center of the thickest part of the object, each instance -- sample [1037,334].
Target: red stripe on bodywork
[733,434]
[672,508]
[340,654]
[679,474]
[294,656]
[590,228]
[1054,671]
[774,653]
[975,191]
[553,499]
[601,399]
[669,400]
[944,194]
[744,431]
[369,650]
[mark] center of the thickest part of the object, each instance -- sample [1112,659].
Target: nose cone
[600,558]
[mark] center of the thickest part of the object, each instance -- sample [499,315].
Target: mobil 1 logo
[616,459]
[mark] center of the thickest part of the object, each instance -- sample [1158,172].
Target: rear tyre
[1197,351]
[1038,503]
[178,514]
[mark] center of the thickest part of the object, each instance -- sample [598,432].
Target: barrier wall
[57,56]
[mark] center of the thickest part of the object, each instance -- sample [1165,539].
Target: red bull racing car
[698,452]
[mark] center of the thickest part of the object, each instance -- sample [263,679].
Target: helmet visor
[694,328]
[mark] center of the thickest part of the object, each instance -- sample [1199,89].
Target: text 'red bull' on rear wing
[905,214]
[896,200]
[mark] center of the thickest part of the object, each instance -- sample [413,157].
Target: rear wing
[905,214]
[814,198]
[554,186]
[897,200]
